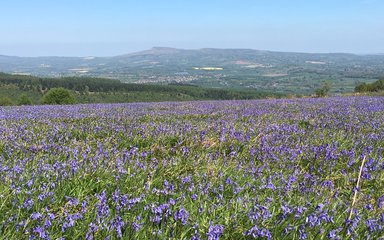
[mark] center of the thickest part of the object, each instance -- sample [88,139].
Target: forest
[102,90]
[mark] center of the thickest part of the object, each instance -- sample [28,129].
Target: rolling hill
[297,73]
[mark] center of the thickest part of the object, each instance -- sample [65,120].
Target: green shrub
[58,96]
[370,87]
[5,101]
[323,90]
[24,100]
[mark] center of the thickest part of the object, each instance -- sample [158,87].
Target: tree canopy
[371,87]
[24,100]
[5,101]
[58,96]
[323,90]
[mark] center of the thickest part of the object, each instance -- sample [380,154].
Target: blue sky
[113,27]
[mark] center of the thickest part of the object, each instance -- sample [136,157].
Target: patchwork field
[264,169]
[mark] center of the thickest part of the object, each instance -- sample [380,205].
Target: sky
[115,27]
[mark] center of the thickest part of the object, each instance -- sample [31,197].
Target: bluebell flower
[47,223]
[136,226]
[19,225]
[101,207]
[182,215]
[70,221]
[302,234]
[28,203]
[228,181]
[333,234]
[214,232]
[117,223]
[195,237]
[35,215]
[373,225]
[380,202]
[72,201]
[40,231]
[84,206]
[256,232]
[92,228]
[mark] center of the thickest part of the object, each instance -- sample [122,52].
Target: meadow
[252,169]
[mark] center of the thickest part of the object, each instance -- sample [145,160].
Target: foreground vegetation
[266,169]
[99,90]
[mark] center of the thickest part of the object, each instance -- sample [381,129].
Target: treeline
[79,84]
[112,90]
[371,87]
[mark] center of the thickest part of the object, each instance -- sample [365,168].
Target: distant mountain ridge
[170,50]
[154,51]
[287,72]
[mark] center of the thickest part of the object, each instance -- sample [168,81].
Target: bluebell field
[263,169]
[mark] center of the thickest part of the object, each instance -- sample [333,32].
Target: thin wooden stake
[357,187]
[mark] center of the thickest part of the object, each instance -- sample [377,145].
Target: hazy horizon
[231,48]
[100,28]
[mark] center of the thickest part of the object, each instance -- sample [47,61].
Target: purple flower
[27,204]
[259,212]
[303,234]
[117,224]
[92,228]
[214,232]
[195,237]
[72,201]
[160,212]
[51,216]
[47,223]
[102,207]
[333,234]
[286,210]
[298,211]
[256,232]
[194,197]
[19,225]
[136,226]
[70,221]
[228,181]
[172,201]
[319,207]
[35,215]
[368,207]
[288,229]
[129,203]
[84,206]
[182,215]
[372,225]
[40,231]
[380,202]
[352,224]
